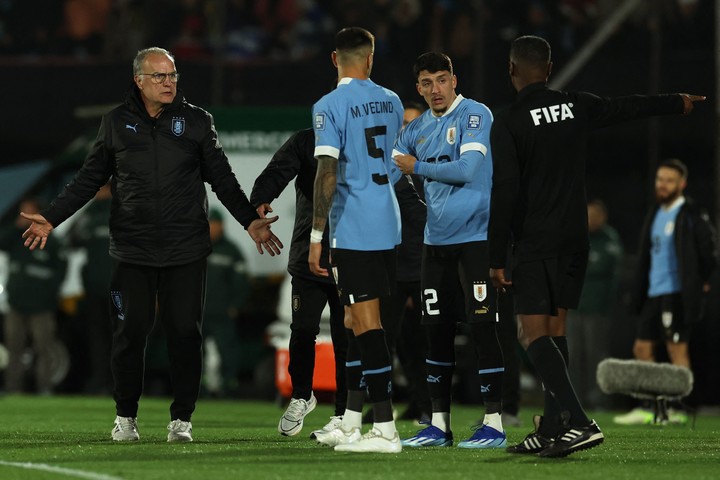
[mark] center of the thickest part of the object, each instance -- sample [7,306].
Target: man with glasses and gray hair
[158,150]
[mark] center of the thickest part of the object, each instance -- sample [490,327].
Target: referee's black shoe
[534,442]
[573,440]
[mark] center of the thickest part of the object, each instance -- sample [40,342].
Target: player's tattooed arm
[325,185]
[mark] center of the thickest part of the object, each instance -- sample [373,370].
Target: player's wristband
[316,236]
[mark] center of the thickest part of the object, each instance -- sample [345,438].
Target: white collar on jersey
[344,81]
[678,202]
[454,104]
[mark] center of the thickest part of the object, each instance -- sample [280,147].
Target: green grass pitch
[69,437]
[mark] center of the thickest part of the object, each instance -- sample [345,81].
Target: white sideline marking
[63,471]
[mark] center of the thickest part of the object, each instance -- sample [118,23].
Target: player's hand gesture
[314,260]
[38,231]
[263,209]
[259,231]
[406,163]
[497,276]
[689,101]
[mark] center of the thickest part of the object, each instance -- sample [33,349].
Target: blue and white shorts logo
[319,121]
[178,126]
[474,122]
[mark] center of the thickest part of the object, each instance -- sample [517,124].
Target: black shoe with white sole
[534,442]
[573,440]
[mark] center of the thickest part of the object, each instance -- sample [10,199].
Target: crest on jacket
[118,303]
[178,126]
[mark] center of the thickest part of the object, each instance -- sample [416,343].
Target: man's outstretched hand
[259,231]
[38,231]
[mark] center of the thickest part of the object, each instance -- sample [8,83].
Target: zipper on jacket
[158,202]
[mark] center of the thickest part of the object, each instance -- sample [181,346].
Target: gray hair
[142,55]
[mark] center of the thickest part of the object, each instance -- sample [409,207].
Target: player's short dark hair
[432,62]
[531,50]
[353,38]
[675,164]
[415,105]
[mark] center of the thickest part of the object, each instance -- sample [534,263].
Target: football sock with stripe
[377,372]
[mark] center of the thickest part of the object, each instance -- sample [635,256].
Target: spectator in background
[677,256]
[227,288]
[30,28]
[92,233]
[192,39]
[277,18]
[125,32]
[244,38]
[587,328]
[84,27]
[33,287]
[311,33]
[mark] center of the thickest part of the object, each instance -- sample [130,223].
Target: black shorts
[541,287]
[361,275]
[456,285]
[662,318]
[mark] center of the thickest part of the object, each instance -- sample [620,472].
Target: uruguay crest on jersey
[480,291]
[451,135]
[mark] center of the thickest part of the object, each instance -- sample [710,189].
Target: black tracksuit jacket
[159,167]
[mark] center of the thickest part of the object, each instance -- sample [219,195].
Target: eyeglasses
[160,77]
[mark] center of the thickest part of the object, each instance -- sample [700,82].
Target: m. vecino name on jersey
[371,108]
[552,114]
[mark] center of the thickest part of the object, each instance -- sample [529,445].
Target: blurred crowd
[301,29]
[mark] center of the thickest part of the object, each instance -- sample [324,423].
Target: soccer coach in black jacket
[159,151]
[538,201]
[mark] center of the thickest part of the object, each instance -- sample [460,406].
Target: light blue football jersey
[358,123]
[454,157]
[664,277]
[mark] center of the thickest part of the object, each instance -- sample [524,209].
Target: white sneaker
[334,423]
[337,436]
[372,441]
[125,429]
[636,416]
[677,417]
[179,431]
[292,420]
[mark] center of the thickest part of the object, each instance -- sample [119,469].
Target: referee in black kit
[538,203]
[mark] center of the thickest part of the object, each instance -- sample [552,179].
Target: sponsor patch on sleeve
[320,121]
[474,122]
